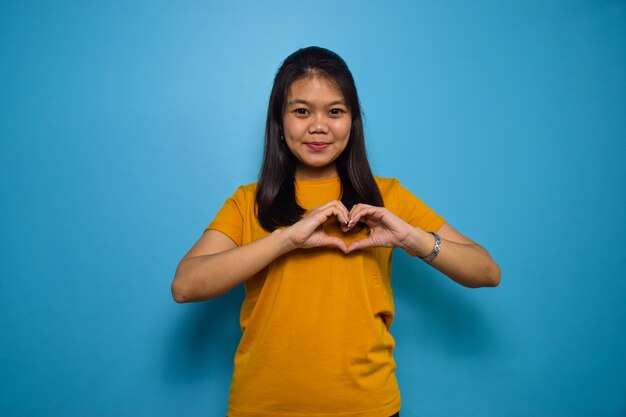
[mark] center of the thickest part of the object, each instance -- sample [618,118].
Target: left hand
[463,260]
[386,229]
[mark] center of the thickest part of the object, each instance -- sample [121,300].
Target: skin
[316,114]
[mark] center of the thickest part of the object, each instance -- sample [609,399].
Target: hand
[386,229]
[309,231]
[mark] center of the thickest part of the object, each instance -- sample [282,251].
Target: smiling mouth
[317,146]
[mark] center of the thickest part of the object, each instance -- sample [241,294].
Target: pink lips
[317,146]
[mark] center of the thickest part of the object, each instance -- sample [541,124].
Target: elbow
[184,295]
[184,291]
[489,277]
[181,290]
[179,293]
[492,277]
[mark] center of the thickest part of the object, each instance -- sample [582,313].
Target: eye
[301,111]
[336,112]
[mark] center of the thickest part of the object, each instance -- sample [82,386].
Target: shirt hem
[385,411]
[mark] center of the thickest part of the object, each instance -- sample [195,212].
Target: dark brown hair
[275,197]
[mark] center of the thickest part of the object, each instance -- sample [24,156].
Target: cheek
[343,130]
[291,128]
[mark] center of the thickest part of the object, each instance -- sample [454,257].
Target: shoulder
[406,205]
[246,191]
[387,186]
[394,194]
[244,197]
[248,188]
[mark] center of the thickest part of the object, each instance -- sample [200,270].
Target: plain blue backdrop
[125,125]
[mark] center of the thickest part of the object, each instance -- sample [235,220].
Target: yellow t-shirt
[315,322]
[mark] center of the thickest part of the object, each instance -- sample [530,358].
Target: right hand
[309,232]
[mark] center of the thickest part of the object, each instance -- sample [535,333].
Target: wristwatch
[433,254]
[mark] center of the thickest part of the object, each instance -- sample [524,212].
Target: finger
[353,211]
[357,207]
[337,243]
[340,210]
[336,211]
[345,214]
[323,206]
[344,210]
[362,213]
[337,203]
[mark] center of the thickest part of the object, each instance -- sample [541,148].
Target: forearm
[204,277]
[468,264]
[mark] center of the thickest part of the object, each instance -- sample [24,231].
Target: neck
[315,173]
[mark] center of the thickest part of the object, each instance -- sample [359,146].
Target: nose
[318,125]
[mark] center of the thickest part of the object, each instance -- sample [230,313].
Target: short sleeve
[229,220]
[411,209]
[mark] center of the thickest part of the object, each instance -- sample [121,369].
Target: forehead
[314,87]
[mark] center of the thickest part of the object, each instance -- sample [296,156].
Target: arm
[460,258]
[215,264]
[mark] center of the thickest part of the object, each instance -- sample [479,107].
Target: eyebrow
[302,101]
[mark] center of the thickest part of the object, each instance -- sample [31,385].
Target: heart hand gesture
[386,229]
[309,231]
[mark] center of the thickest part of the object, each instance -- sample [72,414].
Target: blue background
[125,125]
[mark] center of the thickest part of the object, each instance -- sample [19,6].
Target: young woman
[312,242]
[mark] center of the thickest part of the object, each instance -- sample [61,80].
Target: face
[316,126]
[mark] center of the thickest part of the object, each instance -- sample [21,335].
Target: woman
[312,241]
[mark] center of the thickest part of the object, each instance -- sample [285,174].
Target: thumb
[360,244]
[332,241]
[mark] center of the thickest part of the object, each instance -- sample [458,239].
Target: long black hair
[276,192]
